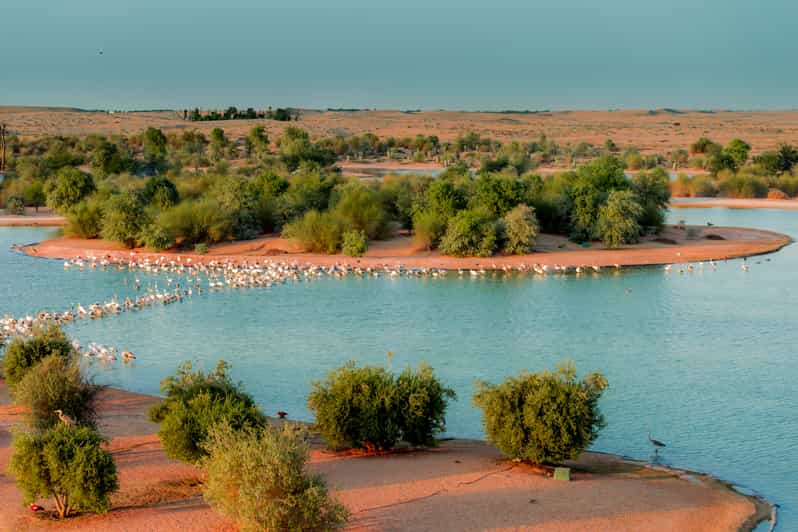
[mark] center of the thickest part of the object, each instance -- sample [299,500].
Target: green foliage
[653,193]
[56,383]
[201,248]
[589,191]
[23,354]
[67,463]
[85,219]
[369,408]
[34,194]
[743,186]
[161,192]
[428,228]
[68,188]
[497,194]
[543,417]
[156,238]
[520,230]
[355,243]
[199,221]
[124,218]
[154,142]
[15,205]
[257,143]
[196,401]
[471,233]
[705,146]
[109,159]
[443,197]
[618,219]
[359,209]
[296,148]
[738,150]
[257,478]
[316,232]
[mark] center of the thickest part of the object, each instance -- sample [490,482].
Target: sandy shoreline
[462,485]
[551,251]
[32,221]
[734,203]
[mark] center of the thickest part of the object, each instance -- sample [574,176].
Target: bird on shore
[656,443]
[64,418]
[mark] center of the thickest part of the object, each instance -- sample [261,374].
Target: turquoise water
[705,361]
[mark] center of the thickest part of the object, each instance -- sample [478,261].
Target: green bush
[156,238]
[543,417]
[618,219]
[161,192]
[520,230]
[56,383]
[195,401]
[257,478]
[368,408]
[316,232]
[355,243]
[743,186]
[23,354]
[68,188]
[15,205]
[124,218]
[201,248]
[85,219]
[359,209]
[192,222]
[428,228]
[470,233]
[67,463]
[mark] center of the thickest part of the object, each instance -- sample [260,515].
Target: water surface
[705,361]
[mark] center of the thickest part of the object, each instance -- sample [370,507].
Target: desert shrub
[56,383]
[67,463]
[68,188]
[359,208]
[197,221]
[195,401]
[85,220]
[653,193]
[704,186]
[156,237]
[23,354]
[368,408]
[201,248]
[789,184]
[470,233]
[543,417]
[520,230]
[317,232]
[743,186]
[15,205]
[423,400]
[428,228]
[123,218]
[618,219]
[257,477]
[161,192]
[354,243]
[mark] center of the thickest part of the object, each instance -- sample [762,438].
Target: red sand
[551,250]
[463,485]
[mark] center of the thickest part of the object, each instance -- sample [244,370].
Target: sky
[407,54]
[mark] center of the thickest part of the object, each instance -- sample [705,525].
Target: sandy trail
[463,485]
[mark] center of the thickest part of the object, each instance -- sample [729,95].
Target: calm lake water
[706,361]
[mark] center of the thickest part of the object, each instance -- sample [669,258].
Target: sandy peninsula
[462,485]
[672,246]
[734,203]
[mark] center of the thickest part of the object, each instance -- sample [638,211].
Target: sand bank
[734,203]
[35,220]
[672,246]
[463,485]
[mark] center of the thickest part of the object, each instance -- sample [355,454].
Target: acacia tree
[68,188]
[68,464]
[618,220]
[542,417]
[124,218]
[154,148]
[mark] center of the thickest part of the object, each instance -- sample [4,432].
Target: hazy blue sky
[454,54]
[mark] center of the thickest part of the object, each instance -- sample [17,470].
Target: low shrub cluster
[196,401]
[370,408]
[22,354]
[543,417]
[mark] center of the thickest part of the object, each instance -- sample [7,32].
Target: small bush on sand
[195,401]
[543,417]
[85,220]
[520,230]
[56,383]
[22,354]
[428,228]
[471,233]
[257,477]
[157,238]
[355,243]
[67,463]
[368,408]
[15,205]
[316,232]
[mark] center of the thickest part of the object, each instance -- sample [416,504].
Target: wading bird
[64,418]
[656,443]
